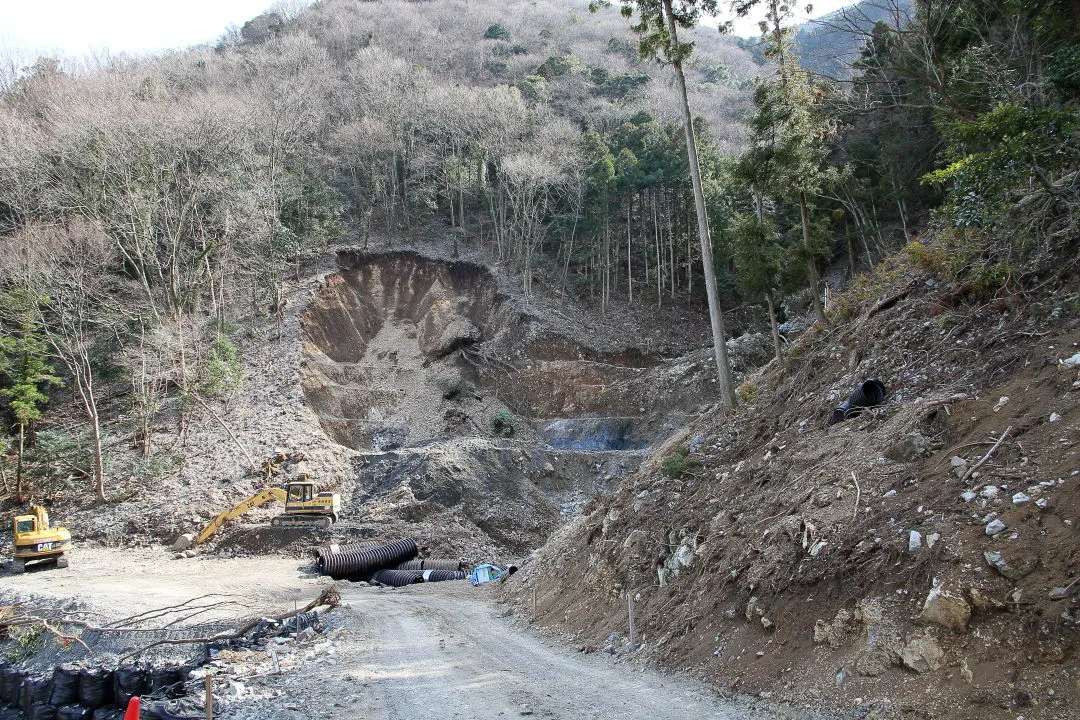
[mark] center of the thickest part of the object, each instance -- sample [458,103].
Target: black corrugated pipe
[322,551]
[431,564]
[360,564]
[866,394]
[441,575]
[398,578]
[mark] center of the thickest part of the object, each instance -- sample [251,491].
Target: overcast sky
[77,27]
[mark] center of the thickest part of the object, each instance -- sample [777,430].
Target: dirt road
[436,651]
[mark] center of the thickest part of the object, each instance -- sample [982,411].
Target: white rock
[968,496]
[994,527]
[1002,401]
[1054,417]
[932,539]
[1042,503]
[945,609]
[889,494]
[990,491]
[914,541]
[1021,498]
[1074,361]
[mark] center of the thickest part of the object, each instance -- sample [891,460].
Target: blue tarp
[484,574]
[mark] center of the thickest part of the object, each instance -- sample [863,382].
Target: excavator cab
[300,492]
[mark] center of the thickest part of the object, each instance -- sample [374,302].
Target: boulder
[922,655]
[945,609]
[183,542]
[1013,562]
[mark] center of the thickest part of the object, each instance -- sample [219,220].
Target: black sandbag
[128,681]
[95,688]
[73,712]
[33,689]
[10,682]
[64,686]
[41,711]
[11,714]
[107,713]
[164,681]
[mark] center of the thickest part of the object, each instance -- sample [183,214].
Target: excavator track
[311,521]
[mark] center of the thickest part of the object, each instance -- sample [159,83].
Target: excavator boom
[263,496]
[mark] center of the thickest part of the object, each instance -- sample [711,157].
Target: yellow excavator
[304,507]
[34,539]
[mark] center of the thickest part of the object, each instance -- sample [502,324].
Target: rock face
[945,609]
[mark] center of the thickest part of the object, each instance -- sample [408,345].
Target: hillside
[858,564]
[445,260]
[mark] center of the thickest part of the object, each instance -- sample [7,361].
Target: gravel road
[436,651]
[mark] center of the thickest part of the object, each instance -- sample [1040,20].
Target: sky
[79,27]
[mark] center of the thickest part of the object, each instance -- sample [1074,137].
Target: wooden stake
[209,696]
[630,609]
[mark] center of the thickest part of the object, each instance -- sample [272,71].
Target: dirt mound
[863,554]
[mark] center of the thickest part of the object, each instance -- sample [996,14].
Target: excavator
[35,539]
[304,507]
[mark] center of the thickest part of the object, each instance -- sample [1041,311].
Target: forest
[152,209]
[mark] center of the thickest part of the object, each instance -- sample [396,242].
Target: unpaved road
[437,651]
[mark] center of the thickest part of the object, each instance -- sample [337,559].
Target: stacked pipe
[324,551]
[398,578]
[361,564]
[441,575]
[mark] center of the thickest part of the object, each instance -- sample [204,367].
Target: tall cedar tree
[657,26]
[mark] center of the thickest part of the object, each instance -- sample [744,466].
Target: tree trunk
[723,366]
[18,465]
[811,266]
[777,346]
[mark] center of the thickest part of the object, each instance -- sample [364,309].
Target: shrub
[222,370]
[747,393]
[456,389]
[502,422]
[496,32]
[679,463]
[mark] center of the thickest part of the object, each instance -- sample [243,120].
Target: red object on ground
[132,712]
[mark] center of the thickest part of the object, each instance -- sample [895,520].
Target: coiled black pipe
[323,551]
[398,578]
[431,564]
[360,564]
[441,575]
[866,394]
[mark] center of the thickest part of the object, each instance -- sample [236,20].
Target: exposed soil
[789,561]
[795,558]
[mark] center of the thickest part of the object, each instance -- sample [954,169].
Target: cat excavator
[35,539]
[304,507]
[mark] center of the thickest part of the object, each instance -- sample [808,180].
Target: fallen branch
[985,457]
[328,597]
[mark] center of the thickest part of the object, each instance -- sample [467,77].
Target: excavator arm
[263,496]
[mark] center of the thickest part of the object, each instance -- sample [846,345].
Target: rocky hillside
[917,560]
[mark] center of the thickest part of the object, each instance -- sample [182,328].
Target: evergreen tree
[24,365]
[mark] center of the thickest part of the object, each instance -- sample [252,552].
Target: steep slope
[861,563]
